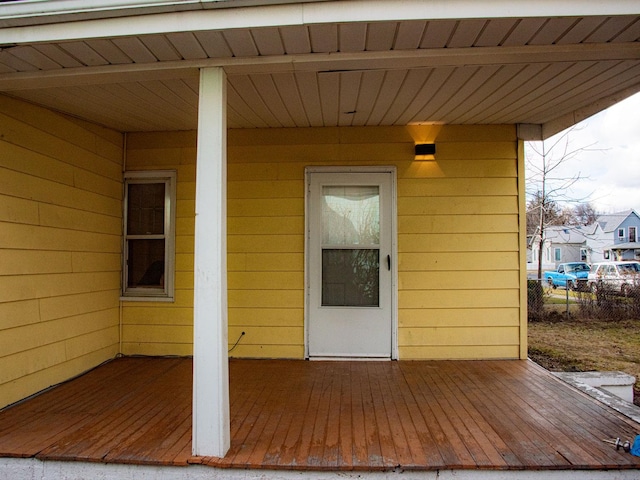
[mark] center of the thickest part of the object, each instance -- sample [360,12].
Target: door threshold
[349,359]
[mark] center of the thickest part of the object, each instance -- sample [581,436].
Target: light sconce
[423,149]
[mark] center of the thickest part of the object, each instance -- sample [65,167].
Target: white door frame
[394,246]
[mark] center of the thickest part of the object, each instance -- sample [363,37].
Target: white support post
[211,425]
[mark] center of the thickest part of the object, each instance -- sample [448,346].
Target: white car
[620,277]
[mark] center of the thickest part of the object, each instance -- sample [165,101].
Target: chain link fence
[602,302]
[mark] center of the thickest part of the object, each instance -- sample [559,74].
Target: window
[606,255]
[632,234]
[149,218]
[620,233]
[583,254]
[557,254]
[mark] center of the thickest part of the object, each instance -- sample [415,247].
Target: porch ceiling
[550,71]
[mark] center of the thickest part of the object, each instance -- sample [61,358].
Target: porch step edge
[588,383]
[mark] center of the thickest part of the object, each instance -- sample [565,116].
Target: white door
[350,264]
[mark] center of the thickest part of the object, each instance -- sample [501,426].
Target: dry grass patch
[586,345]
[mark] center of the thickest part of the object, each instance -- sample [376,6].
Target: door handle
[389,262]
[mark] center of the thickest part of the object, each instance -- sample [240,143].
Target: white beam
[319,62]
[211,424]
[529,131]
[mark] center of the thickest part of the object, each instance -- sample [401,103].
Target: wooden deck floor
[326,416]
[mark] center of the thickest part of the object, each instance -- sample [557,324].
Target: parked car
[619,277]
[572,275]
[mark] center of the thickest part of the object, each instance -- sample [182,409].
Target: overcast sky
[611,175]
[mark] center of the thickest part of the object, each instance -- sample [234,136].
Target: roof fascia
[35,12]
[563,122]
[267,14]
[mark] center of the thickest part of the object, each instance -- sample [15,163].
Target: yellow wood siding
[458,238]
[160,328]
[60,243]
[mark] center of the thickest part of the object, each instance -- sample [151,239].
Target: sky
[610,170]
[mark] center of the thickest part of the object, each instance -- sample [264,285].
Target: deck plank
[289,414]
[461,414]
[344,414]
[408,450]
[511,426]
[299,409]
[371,430]
[465,396]
[127,412]
[551,427]
[360,451]
[430,450]
[565,426]
[308,426]
[331,444]
[446,439]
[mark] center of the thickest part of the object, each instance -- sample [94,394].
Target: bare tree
[537,204]
[546,188]
[585,214]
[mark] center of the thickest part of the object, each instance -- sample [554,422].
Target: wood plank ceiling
[474,71]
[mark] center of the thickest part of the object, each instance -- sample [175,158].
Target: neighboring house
[533,254]
[612,236]
[169,172]
[620,235]
[596,242]
[565,244]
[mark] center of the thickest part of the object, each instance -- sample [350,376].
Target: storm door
[349,264]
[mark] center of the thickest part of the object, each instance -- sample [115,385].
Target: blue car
[572,275]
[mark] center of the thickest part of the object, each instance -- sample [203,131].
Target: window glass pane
[145,264]
[350,278]
[351,215]
[145,215]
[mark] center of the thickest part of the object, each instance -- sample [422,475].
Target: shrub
[607,304]
[535,301]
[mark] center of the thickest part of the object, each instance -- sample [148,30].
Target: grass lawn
[577,345]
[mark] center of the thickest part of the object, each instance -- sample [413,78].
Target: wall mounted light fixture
[425,149]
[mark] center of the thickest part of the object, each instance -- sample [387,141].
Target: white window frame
[557,254]
[167,292]
[621,234]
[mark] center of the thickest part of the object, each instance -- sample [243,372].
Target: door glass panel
[350,215]
[350,241]
[350,278]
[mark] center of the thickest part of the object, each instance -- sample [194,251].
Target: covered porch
[94,97]
[327,416]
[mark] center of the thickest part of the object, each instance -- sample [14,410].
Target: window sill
[141,298]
